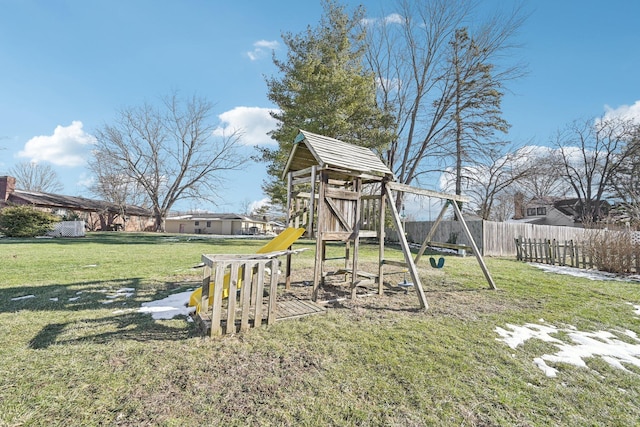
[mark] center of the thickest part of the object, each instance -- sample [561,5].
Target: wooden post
[381,237]
[312,204]
[287,274]
[273,292]
[245,296]
[218,285]
[231,298]
[322,223]
[206,288]
[407,251]
[357,187]
[259,293]
[289,202]
[483,266]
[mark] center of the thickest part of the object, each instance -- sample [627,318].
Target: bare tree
[32,176]
[168,151]
[592,152]
[625,183]
[545,173]
[490,181]
[112,185]
[411,55]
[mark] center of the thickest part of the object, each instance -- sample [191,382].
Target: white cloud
[394,18]
[85,181]
[389,85]
[253,123]
[257,204]
[68,146]
[625,112]
[261,48]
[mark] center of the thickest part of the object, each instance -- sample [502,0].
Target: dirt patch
[445,296]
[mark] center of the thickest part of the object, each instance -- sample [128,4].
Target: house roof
[72,202]
[569,207]
[310,149]
[206,216]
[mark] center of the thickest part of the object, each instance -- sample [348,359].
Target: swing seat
[439,264]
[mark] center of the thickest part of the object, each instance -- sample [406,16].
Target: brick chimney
[518,204]
[7,186]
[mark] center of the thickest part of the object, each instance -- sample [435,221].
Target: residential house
[97,214]
[552,211]
[217,223]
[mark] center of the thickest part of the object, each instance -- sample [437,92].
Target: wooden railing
[233,292]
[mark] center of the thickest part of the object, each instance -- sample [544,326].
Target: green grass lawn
[69,355]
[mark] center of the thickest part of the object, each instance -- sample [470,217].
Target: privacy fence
[499,238]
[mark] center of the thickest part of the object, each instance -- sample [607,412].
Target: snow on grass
[587,274]
[123,292]
[23,297]
[582,345]
[166,308]
[169,307]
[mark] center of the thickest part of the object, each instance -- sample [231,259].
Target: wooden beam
[357,186]
[336,212]
[381,239]
[406,251]
[320,244]
[312,199]
[431,232]
[302,172]
[422,192]
[483,266]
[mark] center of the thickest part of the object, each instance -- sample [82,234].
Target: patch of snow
[169,307]
[54,299]
[548,370]
[123,292]
[603,344]
[519,334]
[22,297]
[74,299]
[587,274]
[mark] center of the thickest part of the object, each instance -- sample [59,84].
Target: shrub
[614,252]
[24,221]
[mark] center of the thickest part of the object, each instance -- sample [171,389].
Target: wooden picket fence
[552,251]
[614,255]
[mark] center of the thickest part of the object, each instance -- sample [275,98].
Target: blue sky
[67,66]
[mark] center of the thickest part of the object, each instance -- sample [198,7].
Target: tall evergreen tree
[323,88]
[476,114]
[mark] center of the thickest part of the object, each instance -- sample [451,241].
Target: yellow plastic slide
[279,243]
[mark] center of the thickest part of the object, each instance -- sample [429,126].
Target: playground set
[336,192]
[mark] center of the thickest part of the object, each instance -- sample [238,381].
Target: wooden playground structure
[340,192]
[336,192]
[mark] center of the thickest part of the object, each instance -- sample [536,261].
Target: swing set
[340,192]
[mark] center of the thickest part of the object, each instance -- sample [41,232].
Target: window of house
[541,211]
[208,224]
[197,223]
[531,211]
